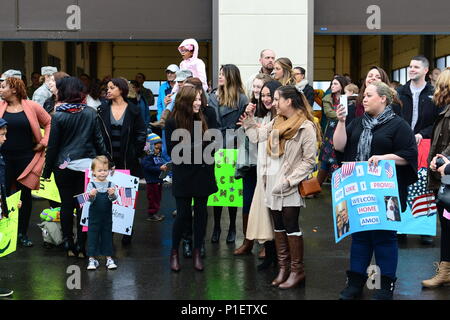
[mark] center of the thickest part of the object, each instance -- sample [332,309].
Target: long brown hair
[288,76]
[183,113]
[441,95]
[197,83]
[300,102]
[229,93]
[19,85]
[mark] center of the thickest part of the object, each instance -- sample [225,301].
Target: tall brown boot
[284,259]
[442,277]
[162,121]
[247,245]
[297,274]
[174,260]
[198,263]
[321,176]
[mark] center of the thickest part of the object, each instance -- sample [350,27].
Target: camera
[439,162]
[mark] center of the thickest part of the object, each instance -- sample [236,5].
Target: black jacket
[73,136]
[308,91]
[133,135]
[192,180]
[428,111]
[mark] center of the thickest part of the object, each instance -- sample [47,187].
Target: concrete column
[241,29]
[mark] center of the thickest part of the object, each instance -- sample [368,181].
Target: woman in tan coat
[291,147]
[25,146]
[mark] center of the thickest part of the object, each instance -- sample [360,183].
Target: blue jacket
[164,90]
[151,166]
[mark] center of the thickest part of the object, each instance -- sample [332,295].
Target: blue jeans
[383,243]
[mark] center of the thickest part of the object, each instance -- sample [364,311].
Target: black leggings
[286,219]
[69,183]
[14,168]
[445,235]
[183,220]
[232,211]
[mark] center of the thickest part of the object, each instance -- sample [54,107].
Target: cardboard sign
[9,226]
[47,189]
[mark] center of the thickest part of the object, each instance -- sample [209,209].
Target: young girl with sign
[101,196]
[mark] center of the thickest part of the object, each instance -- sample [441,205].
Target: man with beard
[267,59]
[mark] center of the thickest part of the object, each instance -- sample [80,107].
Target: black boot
[355,285]
[270,257]
[187,248]
[231,236]
[80,247]
[387,289]
[216,231]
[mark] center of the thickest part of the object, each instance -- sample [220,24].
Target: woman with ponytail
[291,151]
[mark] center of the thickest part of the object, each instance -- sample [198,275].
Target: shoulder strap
[109,184]
[93,184]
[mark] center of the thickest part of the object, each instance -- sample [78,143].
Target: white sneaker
[93,264]
[110,264]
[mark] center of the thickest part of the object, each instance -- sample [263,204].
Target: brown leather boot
[198,263]
[162,121]
[284,259]
[247,245]
[174,260]
[442,277]
[297,274]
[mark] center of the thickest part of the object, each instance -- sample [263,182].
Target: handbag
[309,187]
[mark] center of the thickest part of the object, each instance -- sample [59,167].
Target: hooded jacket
[194,64]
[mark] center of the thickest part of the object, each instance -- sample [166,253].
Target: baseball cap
[48,70]
[172,68]
[11,74]
[183,75]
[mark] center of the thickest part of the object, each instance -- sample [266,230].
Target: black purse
[443,195]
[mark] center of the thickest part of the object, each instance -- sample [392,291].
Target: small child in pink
[189,51]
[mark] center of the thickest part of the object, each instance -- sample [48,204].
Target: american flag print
[337,180]
[82,199]
[126,196]
[420,199]
[389,170]
[347,169]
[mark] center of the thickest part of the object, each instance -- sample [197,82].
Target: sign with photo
[123,208]
[365,198]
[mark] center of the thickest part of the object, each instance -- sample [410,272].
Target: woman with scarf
[75,139]
[291,151]
[379,134]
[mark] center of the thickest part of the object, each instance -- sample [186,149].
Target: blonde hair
[230,91]
[384,90]
[352,88]
[99,160]
[288,76]
[441,96]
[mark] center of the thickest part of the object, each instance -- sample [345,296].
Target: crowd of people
[106,125]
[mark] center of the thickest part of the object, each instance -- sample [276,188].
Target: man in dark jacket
[302,83]
[416,95]
[418,108]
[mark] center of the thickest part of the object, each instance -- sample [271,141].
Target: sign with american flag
[125,195]
[337,179]
[421,201]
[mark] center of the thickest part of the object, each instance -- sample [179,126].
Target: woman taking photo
[229,102]
[378,135]
[75,140]
[123,130]
[24,150]
[440,148]
[327,157]
[282,71]
[190,180]
[291,151]
[260,226]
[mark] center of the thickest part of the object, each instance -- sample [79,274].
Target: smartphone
[344,101]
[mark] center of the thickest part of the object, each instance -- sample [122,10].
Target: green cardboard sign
[9,226]
[230,192]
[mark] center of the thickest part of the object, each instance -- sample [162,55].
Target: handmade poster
[9,226]
[230,192]
[47,189]
[365,198]
[421,213]
[123,207]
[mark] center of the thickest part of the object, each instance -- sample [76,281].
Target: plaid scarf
[71,107]
[369,123]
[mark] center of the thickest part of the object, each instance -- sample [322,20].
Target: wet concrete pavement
[143,267]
